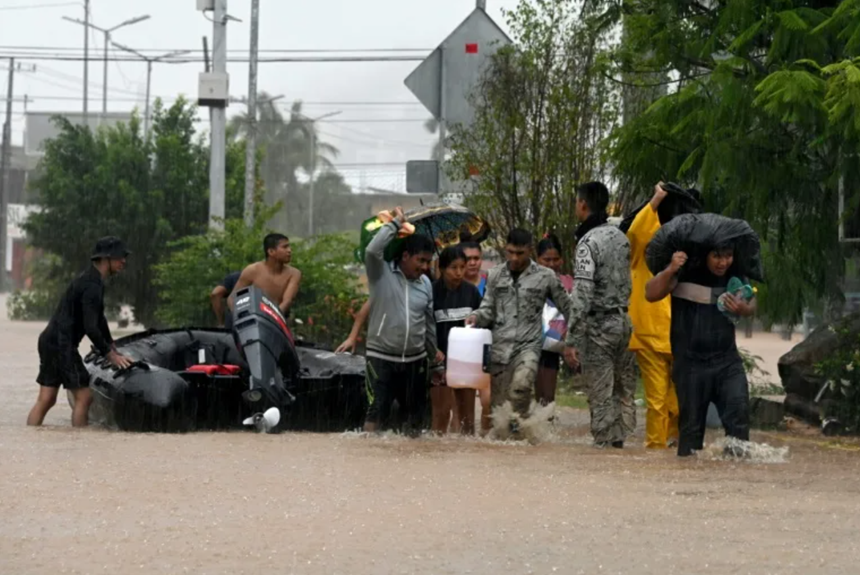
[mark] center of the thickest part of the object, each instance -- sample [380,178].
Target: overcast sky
[285,24]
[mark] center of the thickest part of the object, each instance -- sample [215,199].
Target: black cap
[110,247]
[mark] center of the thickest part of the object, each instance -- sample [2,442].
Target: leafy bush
[32,305]
[197,264]
[49,283]
[328,293]
[39,303]
[756,374]
[329,296]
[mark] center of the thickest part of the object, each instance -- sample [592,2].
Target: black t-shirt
[701,331]
[81,311]
[451,309]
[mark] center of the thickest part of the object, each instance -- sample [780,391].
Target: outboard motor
[263,338]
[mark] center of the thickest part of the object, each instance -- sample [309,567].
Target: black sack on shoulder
[678,202]
[698,234]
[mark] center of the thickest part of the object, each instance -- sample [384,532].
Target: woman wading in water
[453,300]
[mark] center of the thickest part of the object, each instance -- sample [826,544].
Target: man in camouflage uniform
[512,306]
[599,328]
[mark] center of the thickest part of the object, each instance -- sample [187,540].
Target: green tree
[762,117]
[542,109]
[113,181]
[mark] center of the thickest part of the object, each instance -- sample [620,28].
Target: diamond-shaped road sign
[442,82]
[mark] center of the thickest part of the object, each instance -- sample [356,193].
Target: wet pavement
[94,501]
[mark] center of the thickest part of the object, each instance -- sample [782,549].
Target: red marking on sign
[471,48]
[279,321]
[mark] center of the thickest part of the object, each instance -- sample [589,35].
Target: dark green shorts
[407,383]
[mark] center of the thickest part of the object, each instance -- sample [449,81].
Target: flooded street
[94,501]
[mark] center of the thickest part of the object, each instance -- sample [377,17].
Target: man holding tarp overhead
[651,321]
[704,262]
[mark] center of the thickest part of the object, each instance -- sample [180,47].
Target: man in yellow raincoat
[652,321]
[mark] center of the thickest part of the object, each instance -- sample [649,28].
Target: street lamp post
[313,163]
[149,62]
[107,33]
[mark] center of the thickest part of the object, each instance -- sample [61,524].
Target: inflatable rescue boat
[209,379]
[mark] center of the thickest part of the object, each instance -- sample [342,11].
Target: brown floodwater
[95,501]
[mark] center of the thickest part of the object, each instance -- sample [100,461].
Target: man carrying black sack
[80,312]
[707,365]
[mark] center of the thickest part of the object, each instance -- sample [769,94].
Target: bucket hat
[110,247]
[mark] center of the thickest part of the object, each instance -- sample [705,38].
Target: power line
[170,99]
[199,59]
[76,84]
[373,137]
[36,6]
[78,79]
[370,121]
[304,103]
[371,165]
[75,49]
[374,140]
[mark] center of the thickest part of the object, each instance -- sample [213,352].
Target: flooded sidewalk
[94,501]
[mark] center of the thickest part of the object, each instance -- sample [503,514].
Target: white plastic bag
[554,328]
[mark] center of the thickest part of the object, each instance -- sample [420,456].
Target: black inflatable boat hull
[329,389]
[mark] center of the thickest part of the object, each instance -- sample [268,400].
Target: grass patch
[569,397]
[571,400]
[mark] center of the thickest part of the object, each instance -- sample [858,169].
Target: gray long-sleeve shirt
[402,327]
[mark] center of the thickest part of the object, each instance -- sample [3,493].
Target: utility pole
[443,189]
[105,77]
[86,61]
[207,66]
[107,32]
[219,120]
[5,168]
[251,142]
[148,87]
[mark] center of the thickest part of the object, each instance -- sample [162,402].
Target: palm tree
[287,145]
[298,135]
[269,121]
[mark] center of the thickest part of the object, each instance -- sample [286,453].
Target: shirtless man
[277,279]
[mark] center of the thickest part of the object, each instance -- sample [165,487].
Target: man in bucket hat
[80,312]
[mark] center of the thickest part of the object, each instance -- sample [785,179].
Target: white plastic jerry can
[468,354]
